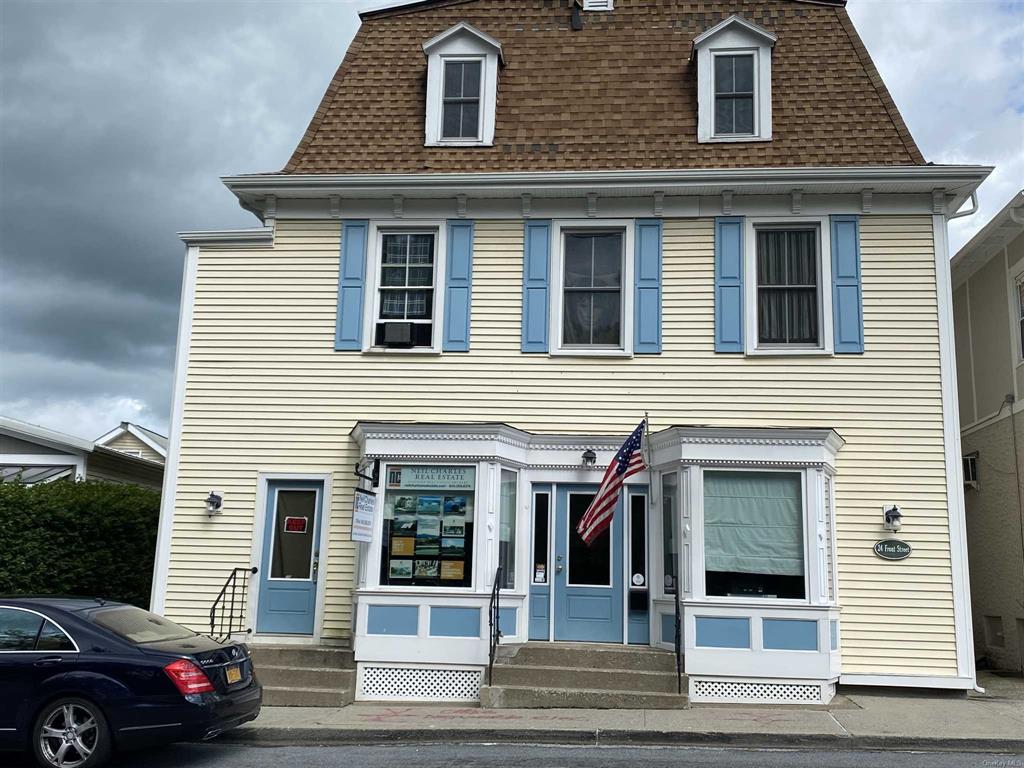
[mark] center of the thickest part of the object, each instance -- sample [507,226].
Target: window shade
[753,523]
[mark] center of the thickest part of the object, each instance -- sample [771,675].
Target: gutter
[946,176]
[950,185]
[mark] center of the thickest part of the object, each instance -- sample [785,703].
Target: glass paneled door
[291,558]
[587,579]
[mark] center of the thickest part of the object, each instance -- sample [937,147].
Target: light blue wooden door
[291,558]
[587,580]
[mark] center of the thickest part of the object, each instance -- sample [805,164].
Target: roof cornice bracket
[527,200]
[865,200]
[591,204]
[727,202]
[398,206]
[938,201]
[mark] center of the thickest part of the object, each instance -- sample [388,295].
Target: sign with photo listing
[363,507]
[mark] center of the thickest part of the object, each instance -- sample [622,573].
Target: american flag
[628,461]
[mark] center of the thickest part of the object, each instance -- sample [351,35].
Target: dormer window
[734,79]
[734,94]
[460,112]
[462,87]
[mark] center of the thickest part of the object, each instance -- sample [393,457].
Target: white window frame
[461,43]
[734,36]
[558,231]
[371,311]
[809,511]
[1016,277]
[826,345]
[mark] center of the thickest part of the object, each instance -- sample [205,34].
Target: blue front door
[587,580]
[291,558]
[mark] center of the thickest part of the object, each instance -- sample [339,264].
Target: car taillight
[188,677]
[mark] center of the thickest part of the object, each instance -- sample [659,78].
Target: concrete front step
[517,697]
[311,657]
[587,656]
[627,680]
[305,677]
[287,696]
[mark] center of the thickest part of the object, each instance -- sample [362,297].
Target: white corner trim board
[954,468]
[170,487]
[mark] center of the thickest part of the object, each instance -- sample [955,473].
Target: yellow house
[514,250]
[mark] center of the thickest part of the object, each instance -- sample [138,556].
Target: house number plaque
[892,549]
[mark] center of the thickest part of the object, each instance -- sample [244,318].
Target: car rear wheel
[71,733]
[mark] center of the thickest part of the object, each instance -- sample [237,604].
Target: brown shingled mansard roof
[619,94]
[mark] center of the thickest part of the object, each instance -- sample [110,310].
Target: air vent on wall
[598,5]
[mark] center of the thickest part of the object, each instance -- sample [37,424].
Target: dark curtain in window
[787,286]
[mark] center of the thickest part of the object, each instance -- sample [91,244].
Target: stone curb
[609,737]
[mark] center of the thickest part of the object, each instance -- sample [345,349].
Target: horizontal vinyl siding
[129,442]
[266,391]
[114,469]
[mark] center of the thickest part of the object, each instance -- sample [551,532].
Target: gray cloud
[117,118]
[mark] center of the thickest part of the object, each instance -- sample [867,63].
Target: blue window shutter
[458,283]
[351,285]
[729,284]
[536,266]
[647,296]
[847,311]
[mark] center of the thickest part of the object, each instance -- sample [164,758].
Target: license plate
[234,674]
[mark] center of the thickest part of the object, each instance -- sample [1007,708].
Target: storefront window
[753,534]
[507,528]
[428,526]
[669,505]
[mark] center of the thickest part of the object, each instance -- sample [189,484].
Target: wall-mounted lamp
[589,458]
[214,504]
[893,517]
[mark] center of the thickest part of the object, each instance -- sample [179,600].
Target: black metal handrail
[227,614]
[679,645]
[494,622]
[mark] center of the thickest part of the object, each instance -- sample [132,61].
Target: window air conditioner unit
[398,335]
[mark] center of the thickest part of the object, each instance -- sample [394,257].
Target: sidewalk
[857,719]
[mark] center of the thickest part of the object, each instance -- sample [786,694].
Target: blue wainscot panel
[454,622]
[538,613]
[723,632]
[790,634]
[392,620]
[507,621]
[639,628]
[668,628]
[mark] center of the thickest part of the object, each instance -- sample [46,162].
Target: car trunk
[216,659]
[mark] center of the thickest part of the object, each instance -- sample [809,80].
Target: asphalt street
[515,756]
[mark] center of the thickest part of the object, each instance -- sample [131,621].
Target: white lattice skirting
[704,690]
[377,682]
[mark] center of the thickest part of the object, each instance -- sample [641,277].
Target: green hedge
[91,539]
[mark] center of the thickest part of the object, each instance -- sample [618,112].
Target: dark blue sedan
[81,678]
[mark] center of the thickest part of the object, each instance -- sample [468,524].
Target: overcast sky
[117,118]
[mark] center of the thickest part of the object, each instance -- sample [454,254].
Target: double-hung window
[460,110]
[405,301]
[788,287]
[734,94]
[1020,315]
[592,289]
